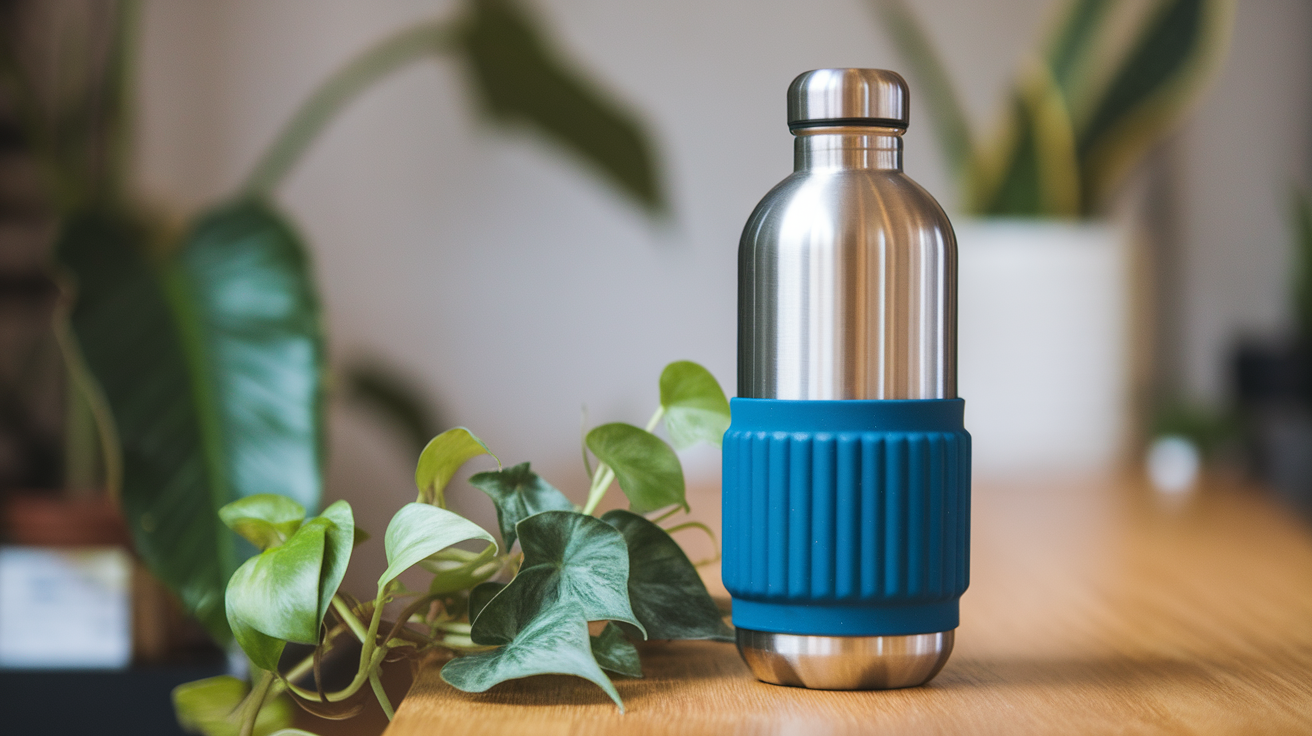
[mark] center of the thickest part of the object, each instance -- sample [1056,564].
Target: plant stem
[370,642]
[667,514]
[603,477]
[348,616]
[360,678]
[600,482]
[656,418]
[379,693]
[254,702]
[343,86]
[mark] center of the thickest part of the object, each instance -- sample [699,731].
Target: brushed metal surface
[867,96]
[847,276]
[845,662]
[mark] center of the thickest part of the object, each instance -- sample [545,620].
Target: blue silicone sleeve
[846,518]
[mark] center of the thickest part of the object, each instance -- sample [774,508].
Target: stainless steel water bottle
[846,467]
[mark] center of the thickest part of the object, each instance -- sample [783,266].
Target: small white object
[65,608]
[1173,464]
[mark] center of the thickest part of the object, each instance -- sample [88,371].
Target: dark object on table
[108,703]
[1273,386]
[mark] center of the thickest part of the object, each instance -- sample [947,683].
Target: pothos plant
[513,608]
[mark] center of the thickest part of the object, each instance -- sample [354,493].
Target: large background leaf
[126,334]
[522,80]
[212,368]
[1178,51]
[251,314]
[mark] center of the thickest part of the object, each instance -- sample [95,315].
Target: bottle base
[845,662]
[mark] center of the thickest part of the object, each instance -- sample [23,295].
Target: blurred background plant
[1085,108]
[195,352]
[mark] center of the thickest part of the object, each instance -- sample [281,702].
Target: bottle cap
[867,97]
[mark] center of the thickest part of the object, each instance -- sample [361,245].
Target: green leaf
[518,493]
[277,593]
[262,650]
[615,653]
[647,469]
[1176,53]
[481,595]
[1075,40]
[1033,170]
[522,80]
[265,519]
[338,543]
[125,334]
[569,558]
[246,298]
[695,407]
[667,594]
[440,460]
[207,707]
[419,530]
[553,642]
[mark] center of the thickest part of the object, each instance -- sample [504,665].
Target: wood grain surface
[1095,607]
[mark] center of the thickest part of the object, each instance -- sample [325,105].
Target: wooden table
[1094,607]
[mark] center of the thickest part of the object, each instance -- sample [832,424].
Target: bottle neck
[845,147]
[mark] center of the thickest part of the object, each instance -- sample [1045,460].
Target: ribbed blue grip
[846,518]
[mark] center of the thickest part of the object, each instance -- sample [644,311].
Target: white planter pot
[1043,340]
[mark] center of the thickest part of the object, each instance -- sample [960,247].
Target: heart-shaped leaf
[648,471]
[265,519]
[419,530]
[518,493]
[555,641]
[569,558]
[615,653]
[277,592]
[695,407]
[440,460]
[481,595]
[338,543]
[667,594]
[207,707]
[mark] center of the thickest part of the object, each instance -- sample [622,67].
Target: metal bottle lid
[867,97]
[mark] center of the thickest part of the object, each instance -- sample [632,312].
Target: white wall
[519,287]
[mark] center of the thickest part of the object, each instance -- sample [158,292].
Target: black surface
[105,703]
